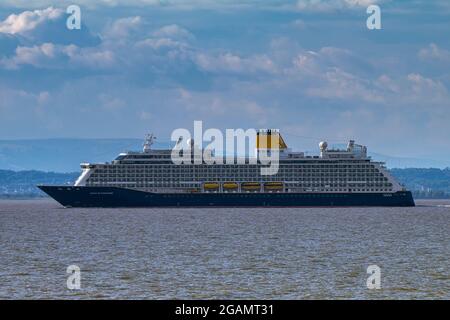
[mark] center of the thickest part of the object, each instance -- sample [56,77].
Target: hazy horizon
[65,155]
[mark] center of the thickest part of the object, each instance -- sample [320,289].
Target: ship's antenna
[149,140]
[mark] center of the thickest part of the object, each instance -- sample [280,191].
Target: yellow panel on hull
[267,184]
[274,187]
[230,185]
[211,186]
[251,186]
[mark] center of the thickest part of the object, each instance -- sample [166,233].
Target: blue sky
[308,67]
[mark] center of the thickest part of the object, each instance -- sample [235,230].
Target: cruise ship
[150,178]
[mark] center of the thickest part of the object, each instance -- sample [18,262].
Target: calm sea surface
[304,253]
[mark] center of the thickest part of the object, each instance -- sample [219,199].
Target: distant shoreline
[23,197]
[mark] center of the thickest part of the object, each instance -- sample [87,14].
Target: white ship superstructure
[337,171]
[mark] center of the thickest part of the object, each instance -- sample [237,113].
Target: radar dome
[323,145]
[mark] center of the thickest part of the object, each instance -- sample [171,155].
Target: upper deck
[285,154]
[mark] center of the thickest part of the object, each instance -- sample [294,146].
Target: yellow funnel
[270,139]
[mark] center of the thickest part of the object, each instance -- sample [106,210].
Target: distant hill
[425,183]
[65,155]
[22,184]
[61,155]
[428,183]
[403,162]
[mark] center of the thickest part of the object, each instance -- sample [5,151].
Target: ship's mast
[149,140]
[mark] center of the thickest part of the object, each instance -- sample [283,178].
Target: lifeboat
[273,186]
[251,186]
[211,186]
[230,185]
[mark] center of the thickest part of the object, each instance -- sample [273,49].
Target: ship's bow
[62,194]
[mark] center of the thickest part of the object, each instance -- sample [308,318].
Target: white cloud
[330,5]
[32,104]
[433,53]
[227,75]
[173,31]
[122,46]
[37,56]
[43,26]
[229,62]
[95,58]
[325,59]
[123,27]
[384,82]
[28,20]
[305,62]
[202,4]
[427,89]
[338,84]
[161,43]
[51,56]
[84,3]
[178,4]
[223,106]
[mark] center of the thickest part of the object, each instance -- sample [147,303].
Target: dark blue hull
[112,197]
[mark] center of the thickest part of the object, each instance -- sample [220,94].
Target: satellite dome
[323,145]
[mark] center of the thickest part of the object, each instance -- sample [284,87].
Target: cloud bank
[159,70]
